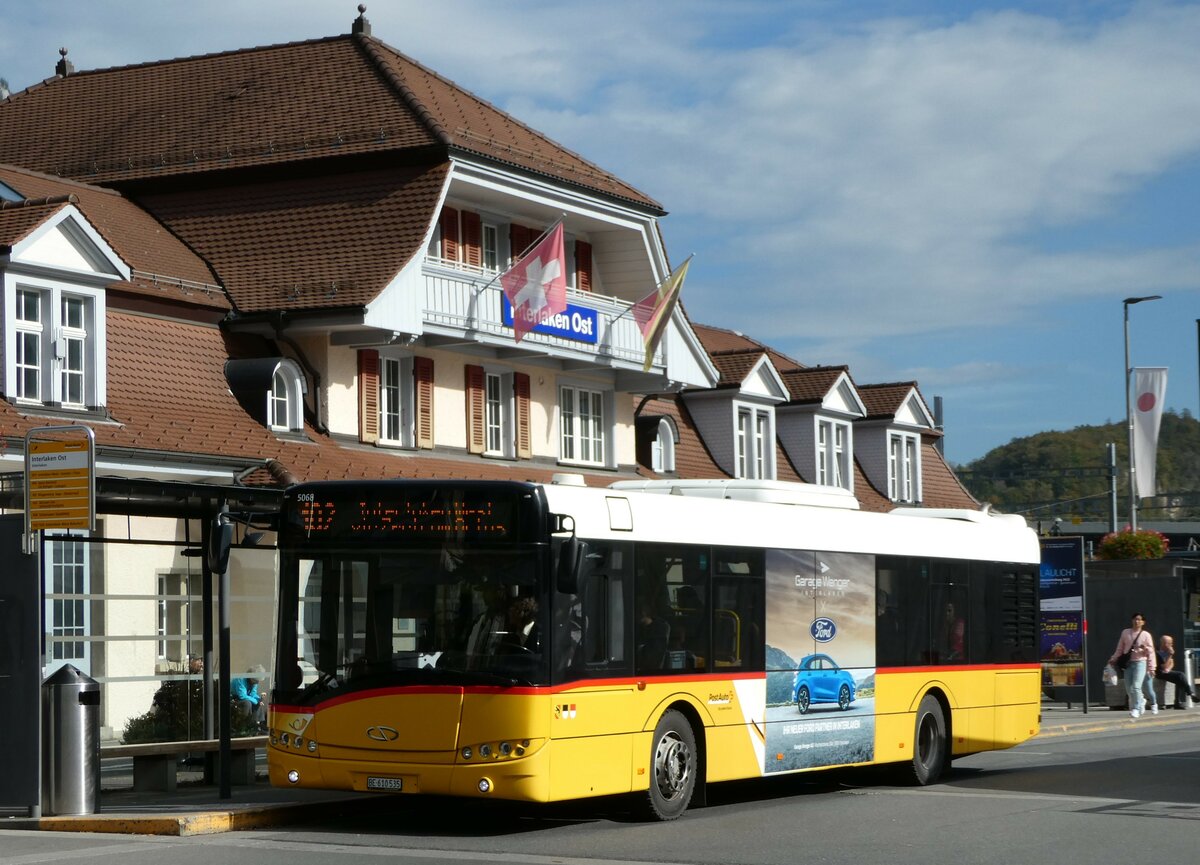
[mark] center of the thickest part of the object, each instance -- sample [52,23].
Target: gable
[843,398]
[66,241]
[912,412]
[763,381]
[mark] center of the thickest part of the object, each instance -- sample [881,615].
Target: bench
[1116,698]
[156,763]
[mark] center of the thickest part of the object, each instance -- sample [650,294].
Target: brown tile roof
[328,241]
[812,384]
[338,96]
[718,340]
[164,266]
[940,487]
[734,366]
[884,400]
[19,221]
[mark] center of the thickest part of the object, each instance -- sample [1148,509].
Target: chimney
[361,24]
[64,67]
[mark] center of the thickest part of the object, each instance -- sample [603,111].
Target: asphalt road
[1126,794]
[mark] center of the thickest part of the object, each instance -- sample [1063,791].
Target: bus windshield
[426,584]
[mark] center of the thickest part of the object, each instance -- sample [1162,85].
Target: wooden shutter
[521,392]
[583,265]
[449,223]
[519,238]
[368,395]
[423,382]
[476,434]
[472,239]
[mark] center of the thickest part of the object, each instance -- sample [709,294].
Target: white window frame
[489,246]
[904,467]
[754,441]
[285,399]
[397,400]
[499,436]
[67,368]
[662,448]
[833,453]
[68,560]
[584,428]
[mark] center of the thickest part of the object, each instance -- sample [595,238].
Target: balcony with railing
[464,303]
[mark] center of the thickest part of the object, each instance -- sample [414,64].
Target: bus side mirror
[571,556]
[220,539]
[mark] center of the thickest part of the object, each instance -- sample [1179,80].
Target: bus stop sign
[60,478]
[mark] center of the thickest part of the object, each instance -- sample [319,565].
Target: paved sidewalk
[195,808]
[1059,720]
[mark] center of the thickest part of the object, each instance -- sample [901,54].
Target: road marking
[275,843]
[89,853]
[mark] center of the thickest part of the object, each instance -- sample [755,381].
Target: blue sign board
[576,322]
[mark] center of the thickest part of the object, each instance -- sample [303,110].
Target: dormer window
[270,389]
[56,336]
[833,453]
[755,444]
[662,447]
[285,402]
[904,469]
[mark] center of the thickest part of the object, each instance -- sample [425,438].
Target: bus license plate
[385,784]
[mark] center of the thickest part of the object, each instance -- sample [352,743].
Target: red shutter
[519,239]
[449,223]
[583,265]
[476,441]
[521,391]
[368,395]
[472,239]
[423,375]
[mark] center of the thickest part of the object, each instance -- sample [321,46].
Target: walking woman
[1139,675]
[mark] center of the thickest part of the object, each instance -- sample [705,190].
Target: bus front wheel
[673,767]
[930,742]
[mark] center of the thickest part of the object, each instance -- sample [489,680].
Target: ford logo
[823,630]
[383,734]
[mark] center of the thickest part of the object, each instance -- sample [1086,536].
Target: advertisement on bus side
[820,635]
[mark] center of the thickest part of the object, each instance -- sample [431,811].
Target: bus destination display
[413,518]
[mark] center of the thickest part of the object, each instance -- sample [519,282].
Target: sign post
[60,480]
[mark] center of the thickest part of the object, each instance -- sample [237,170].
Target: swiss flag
[536,286]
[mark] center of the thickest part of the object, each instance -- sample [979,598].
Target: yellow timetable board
[60,485]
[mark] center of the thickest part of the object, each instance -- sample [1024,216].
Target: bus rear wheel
[673,767]
[930,742]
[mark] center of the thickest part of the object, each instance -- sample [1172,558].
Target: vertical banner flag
[1149,388]
[536,286]
[654,310]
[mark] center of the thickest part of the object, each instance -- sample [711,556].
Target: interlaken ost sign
[60,478]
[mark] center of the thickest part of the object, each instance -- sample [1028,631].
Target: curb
[198,822]
[1123,723]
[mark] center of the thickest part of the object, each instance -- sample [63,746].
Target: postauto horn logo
[823,630]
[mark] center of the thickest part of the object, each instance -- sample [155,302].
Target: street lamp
[1133,497]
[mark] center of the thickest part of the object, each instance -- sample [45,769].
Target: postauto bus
[542,643]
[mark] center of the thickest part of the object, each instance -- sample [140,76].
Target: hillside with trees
[1065,474]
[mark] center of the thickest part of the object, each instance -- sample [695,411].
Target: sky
[958,194]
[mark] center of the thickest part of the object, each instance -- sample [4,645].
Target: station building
[249,269]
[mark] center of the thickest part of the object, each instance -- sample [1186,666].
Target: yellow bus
[545,642]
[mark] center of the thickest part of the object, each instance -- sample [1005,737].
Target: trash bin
[70,743]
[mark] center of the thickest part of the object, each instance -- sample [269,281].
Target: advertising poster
[820,659]
[1061,587]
